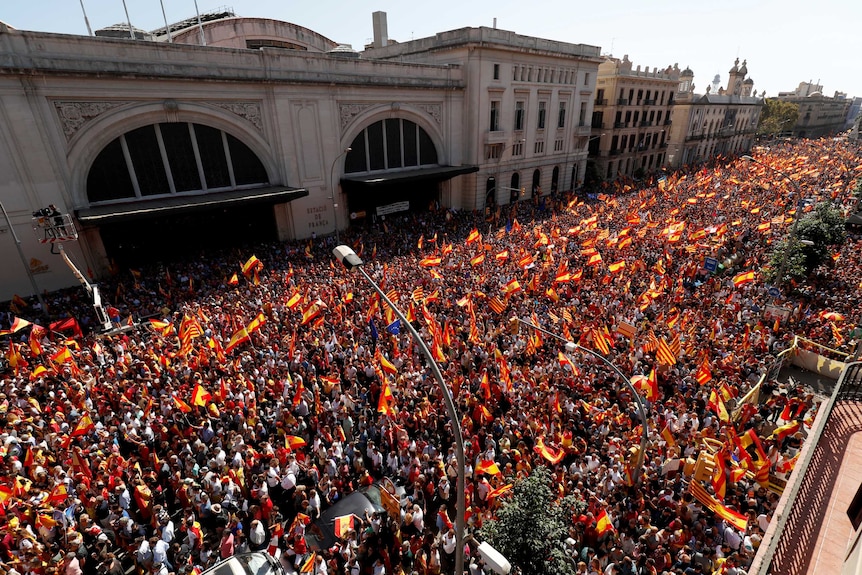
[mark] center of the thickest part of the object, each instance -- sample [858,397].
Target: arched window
[164,159]
[515,187]
[537,178]
[390,144]
[490,192]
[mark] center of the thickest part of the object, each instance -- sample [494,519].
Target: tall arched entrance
[169,190]
[393,166]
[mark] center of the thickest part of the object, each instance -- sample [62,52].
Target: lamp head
[347,257]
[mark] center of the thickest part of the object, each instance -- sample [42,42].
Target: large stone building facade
[632,117]
[713,124]
[253,129]
[819,115]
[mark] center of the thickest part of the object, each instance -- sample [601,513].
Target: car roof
[357,503]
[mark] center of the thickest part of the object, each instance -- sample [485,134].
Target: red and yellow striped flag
[664,354]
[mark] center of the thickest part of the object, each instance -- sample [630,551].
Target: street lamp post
[572,346]
[350,260]
[24,260]
[782,267]
[332,191]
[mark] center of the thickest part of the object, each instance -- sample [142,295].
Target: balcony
[597,126]
[583,130]
[694,137]
[622,102]
[668,122]
[663,145]
[645,123]
[621,125]
[649,102]
[617,152]
[603,102]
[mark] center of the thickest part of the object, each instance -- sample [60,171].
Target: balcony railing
[617,152]
[621,125]
[668,122]
[694,137]
[597,126]
[622,102]
[645,123]
[649,102]
[603,102]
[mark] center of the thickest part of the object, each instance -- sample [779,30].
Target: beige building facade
[249,129]
[528,103]
[712,124]
[632,117]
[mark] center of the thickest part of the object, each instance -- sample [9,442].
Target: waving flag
[743,278]
[17,325]
[488,467]
[200,396]
[474,236]
[343,524]
[85,426]
[703,375]
[603,523]
[239,337]
[252,264]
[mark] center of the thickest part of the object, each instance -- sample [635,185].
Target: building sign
[317,217]
[393,208]
[38,267]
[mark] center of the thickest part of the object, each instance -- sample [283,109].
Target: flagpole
[165,17]
[86,20]
[350,260]
[200,24]
[571,346]
[129,20]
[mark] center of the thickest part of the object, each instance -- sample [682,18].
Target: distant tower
[716,84]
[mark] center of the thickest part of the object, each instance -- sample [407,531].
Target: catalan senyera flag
[308,566]
[200,396]
[602,340]
[700,493]
[603,523]
[742,279]
[496,304]
[488,467]
[664,354]
[85,425]
[703,375]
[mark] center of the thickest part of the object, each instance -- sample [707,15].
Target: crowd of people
[254,393]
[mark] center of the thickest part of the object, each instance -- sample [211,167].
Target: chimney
[381,32]
[495,23]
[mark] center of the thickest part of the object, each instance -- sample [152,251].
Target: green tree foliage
[777,117]
[823,228]
[532,526]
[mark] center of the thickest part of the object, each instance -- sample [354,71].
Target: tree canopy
[532,526]
[777,116]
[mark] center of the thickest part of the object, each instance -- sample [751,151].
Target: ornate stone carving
[350,111]
[432,110]
[73,115]
[247,110]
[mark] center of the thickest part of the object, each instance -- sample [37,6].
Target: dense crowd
[267,389]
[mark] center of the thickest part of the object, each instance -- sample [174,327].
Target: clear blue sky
[784,41]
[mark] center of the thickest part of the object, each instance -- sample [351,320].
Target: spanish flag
[182,405]
[474,236]
[743,278]
[256,323]
[386,365]
[785,430]
[513,286]
[488,467]
[667,435]
[239,337]
[617,266]
[552,455]
[85,426]
[430,262]
[343,525]
[477,260]
[62,356]
[17,325]
[234,280]
[294,442]
[251,265]
[386,401]
[200,396]
[603,523]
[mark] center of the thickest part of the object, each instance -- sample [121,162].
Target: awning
[438,173]
[182,203]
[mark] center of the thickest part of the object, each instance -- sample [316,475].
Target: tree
[776,117]
[817,235]
[531,527]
